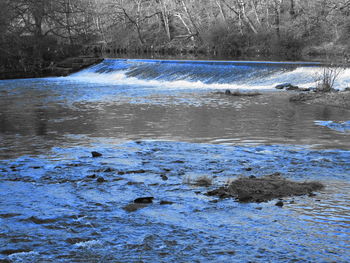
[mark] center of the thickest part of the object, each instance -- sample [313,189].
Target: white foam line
[120,78]
[301,76]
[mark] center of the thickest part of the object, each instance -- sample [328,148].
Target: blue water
[157,135]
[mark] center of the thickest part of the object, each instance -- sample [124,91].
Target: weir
[206,74]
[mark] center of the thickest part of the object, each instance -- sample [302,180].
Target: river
[158,125]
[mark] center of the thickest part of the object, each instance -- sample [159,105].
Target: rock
[40,221]
[178,161]
[134,207]
[117,179]
[108,170]
[101,180]
[166,203]
[96,154]
[164,177]
[279,203]
[134,183]
[248,169]
[75,240]
[265,188]
[243,196]
[144,200]
[93,176]
[141,171]
[287,86]
[291,87]
[282,86]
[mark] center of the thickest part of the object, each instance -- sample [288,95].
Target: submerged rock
[264,189]
[144,200]
[164,177]
[240,94]
[39,221]
[96,154]
[279,203]
[166,203]
[141,171]
[138,203]
[101,180]
[134,207]
[76,240]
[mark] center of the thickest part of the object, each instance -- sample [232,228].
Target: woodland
[36,33]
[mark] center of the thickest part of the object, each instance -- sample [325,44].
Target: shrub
[326,79]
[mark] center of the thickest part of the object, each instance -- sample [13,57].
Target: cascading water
[206,74]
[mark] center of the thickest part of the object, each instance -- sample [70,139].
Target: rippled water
[154,140]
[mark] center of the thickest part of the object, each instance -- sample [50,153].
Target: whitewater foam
[194,75]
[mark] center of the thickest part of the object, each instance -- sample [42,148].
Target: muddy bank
[252,189]
[336,99]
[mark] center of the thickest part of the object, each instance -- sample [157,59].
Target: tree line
[35,33]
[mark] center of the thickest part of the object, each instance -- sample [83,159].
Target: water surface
[157,121]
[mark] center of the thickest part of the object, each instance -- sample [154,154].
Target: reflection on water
[34,109]
[54,210]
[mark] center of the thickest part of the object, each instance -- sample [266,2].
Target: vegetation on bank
[36,33]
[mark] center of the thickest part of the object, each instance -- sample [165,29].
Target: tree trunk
[246,18]
[277,10]
[192,21]
[292,9]
[68,25]
[256,13]
[218,3]
[165,19]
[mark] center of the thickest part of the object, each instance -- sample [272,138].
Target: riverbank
[62,68]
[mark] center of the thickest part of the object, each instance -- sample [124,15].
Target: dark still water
[160,127]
